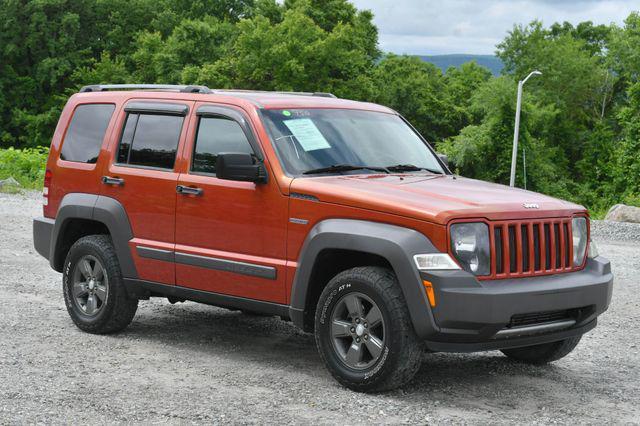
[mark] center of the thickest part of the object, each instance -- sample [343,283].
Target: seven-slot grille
[525,248]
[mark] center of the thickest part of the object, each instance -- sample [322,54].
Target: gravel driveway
[195,363]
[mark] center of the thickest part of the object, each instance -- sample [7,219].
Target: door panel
[230,238]
[147,193]
[149,198]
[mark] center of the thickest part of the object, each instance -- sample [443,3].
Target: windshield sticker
[286,113]
[307,134]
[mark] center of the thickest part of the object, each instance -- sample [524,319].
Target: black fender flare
[396,244]
[105,210]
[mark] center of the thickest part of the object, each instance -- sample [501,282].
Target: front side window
[318,140]
[150,140]
[86,132]
[217,135]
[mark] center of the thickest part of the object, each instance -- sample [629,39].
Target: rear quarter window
[86,132]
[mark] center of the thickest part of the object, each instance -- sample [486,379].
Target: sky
[428,27]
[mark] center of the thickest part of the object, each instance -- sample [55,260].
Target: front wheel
[545,353]
[363,331]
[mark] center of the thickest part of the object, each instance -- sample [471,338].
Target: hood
[435,198]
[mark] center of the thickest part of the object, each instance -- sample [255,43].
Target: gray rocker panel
[396,244]
[141,289]
[101,209]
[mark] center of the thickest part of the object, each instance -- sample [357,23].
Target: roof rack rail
[279,92]
[169,87]
[319,94]
[324,95]
[189,89]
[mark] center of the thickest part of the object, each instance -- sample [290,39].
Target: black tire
[117,310]
[545,353]
[401,353]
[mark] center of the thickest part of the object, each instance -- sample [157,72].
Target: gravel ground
[190,363]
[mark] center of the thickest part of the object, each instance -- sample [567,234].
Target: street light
[516,130]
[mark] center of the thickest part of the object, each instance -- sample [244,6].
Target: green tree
[460,85]
[625,48]
[627,171]
[104,71]
[575,82]
[572,79]
[270,9]
[295,54]
[192,43]
[41,44]
[625,60]
[50,47]
[416,89]
[483,151]
[595,37]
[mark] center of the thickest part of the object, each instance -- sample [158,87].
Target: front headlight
[579,228]
[470,246]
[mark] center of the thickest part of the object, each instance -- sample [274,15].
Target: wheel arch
[86,214]
[329,263]
[387,245]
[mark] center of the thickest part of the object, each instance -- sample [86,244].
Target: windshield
[310,141]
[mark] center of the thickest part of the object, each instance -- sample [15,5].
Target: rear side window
[86,133]
[150,140]
[216,135]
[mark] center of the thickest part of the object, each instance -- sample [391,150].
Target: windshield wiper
[411,168]
[337,168]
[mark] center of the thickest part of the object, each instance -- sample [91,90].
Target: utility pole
[524,165]
[516,130]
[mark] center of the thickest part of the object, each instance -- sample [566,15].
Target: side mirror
[241,167]
[444,158]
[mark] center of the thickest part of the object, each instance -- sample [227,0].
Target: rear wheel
[545,353]
[93,288]
[363,331]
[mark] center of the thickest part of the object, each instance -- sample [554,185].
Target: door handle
[108,180]
[188,190]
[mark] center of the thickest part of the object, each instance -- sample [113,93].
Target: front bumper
[472,315]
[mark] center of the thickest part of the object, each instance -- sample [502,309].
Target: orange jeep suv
[333,214]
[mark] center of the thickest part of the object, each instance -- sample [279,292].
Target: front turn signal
[431,295]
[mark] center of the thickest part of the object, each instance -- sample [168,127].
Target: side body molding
[396,244]
[105,210]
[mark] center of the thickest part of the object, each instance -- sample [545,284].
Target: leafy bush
[27,165]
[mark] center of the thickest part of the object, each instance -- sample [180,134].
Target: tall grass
[27,165]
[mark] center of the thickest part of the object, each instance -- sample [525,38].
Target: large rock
[9,182]
[622,213]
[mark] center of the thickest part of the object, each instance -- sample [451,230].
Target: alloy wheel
[90,285]
[357,331]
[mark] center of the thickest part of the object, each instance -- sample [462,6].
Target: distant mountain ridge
[445,61]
